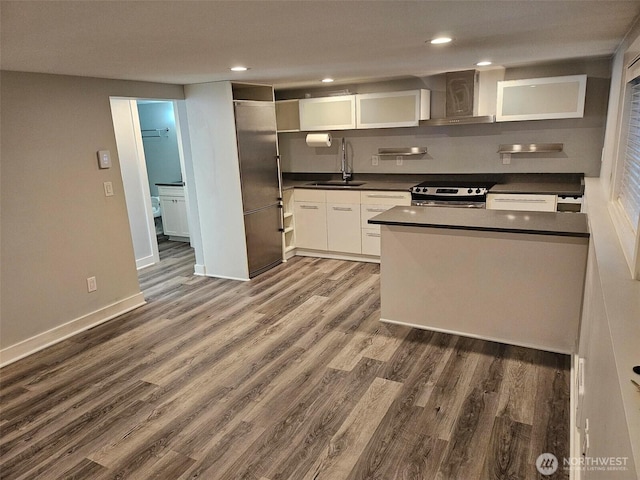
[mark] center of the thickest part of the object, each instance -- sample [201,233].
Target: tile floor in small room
[288,376]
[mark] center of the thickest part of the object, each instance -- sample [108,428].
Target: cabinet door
[174,216]
[541,98]
[392,109]
[170,216]
[311,225]
[370,211]
[371,241]
[343,227]
[381,197]
[330,113]
[181,213]
[526,202]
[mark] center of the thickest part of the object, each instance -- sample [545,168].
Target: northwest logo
[547,463]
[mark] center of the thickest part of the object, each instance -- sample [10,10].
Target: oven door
[470,201]
[448,203]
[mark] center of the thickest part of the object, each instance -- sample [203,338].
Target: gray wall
[465,148]
[161,153]
[58,228]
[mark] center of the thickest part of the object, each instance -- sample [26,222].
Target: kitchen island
[507,276]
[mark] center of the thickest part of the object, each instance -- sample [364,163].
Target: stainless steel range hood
[463,97]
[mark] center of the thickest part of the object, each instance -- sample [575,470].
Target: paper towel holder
[319,139]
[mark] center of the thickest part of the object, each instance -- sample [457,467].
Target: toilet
[155,206]
[157,215]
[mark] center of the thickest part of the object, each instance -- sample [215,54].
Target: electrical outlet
[506,159]
[92,285]
[108,189]
[375,160]
[399,160]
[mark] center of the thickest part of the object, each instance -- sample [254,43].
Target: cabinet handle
[343,209]
[379,195]
[309,207]
[379,210]
[520,200]
[372,234]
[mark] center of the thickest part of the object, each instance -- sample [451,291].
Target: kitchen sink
[336,183]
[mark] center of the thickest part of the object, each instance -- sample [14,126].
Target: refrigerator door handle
[279,177]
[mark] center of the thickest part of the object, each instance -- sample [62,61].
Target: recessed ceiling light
[327,80]
[440,40]
[483,64]
[239,69]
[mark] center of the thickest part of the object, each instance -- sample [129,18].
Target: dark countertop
[170,184]
[389,182]
[540,223]
[569,184]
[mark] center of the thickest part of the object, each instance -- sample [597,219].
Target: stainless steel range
[455,193]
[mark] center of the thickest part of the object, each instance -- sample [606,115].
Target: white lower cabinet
[174,216]
[174,211]
[371,241]
[343,227]
[343,221]
[311,225]
[336,220]
[374,203]
[310,213]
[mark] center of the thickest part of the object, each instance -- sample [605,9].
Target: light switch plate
[108,189]
[506,159]
[399,160]
[375,160]
[104,159]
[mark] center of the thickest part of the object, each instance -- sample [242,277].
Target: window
[625,201]
[629,191]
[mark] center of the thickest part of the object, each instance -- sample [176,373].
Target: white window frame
[628,234]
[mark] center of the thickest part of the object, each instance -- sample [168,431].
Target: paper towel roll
[319,139]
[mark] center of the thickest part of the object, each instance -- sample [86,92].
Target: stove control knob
[425,190]
[477,190]
[470,191]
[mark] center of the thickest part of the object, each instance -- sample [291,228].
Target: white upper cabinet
[328,113]
[541,98]
[393,109]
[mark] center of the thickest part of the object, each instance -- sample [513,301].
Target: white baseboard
[473,335]
[201,271]
[145,262]
[180,239]
[45,339]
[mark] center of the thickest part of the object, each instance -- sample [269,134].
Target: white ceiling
[297,43]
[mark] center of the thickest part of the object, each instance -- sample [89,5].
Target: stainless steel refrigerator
[261,186]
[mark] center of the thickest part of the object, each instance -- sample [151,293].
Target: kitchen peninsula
[510,276]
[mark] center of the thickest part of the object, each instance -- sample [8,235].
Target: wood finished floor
[288,376]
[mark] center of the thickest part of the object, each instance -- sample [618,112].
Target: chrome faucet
[346,175]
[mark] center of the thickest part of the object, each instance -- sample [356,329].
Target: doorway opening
[154,156]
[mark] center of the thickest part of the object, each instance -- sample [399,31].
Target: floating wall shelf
[531,148]
[403,151]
